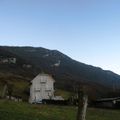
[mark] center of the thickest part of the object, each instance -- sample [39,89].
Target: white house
[42,87]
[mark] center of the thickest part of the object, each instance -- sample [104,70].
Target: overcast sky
[86,30]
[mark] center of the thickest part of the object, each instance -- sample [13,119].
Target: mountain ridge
[67,71]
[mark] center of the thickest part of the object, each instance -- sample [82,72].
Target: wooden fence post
[82,105]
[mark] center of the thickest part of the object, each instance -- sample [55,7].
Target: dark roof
[107,99]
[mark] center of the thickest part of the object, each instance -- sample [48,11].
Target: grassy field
[18,84]
[63,93]
[23,111]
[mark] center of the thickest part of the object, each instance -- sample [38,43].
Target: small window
[37,89]
[48,88]
[43,80]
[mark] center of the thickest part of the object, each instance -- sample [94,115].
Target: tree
[4,91]
[10,90]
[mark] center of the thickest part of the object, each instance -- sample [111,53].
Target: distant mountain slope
[66,71]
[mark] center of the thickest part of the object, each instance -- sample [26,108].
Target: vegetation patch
[24,111]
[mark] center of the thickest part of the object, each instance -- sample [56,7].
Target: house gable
[42,87]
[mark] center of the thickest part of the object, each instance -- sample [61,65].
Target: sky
[86,30]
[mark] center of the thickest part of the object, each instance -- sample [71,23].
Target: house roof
[45,74]
[107,99]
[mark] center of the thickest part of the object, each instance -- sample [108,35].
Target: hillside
[66,71]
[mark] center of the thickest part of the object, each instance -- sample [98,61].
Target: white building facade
[42,87]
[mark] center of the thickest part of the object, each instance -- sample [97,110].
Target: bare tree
[4,91]
[10,90]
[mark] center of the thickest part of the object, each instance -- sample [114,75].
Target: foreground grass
[23,111]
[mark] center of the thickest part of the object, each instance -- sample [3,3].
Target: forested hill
[67,72]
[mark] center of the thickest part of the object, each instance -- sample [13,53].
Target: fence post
[82,105]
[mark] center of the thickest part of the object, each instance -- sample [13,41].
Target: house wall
[42,87]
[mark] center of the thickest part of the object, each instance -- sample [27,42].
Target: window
[37,89]
[43,80]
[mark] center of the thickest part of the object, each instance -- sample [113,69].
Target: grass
[19,85]
[103,114]
[24,111]
[63,93]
